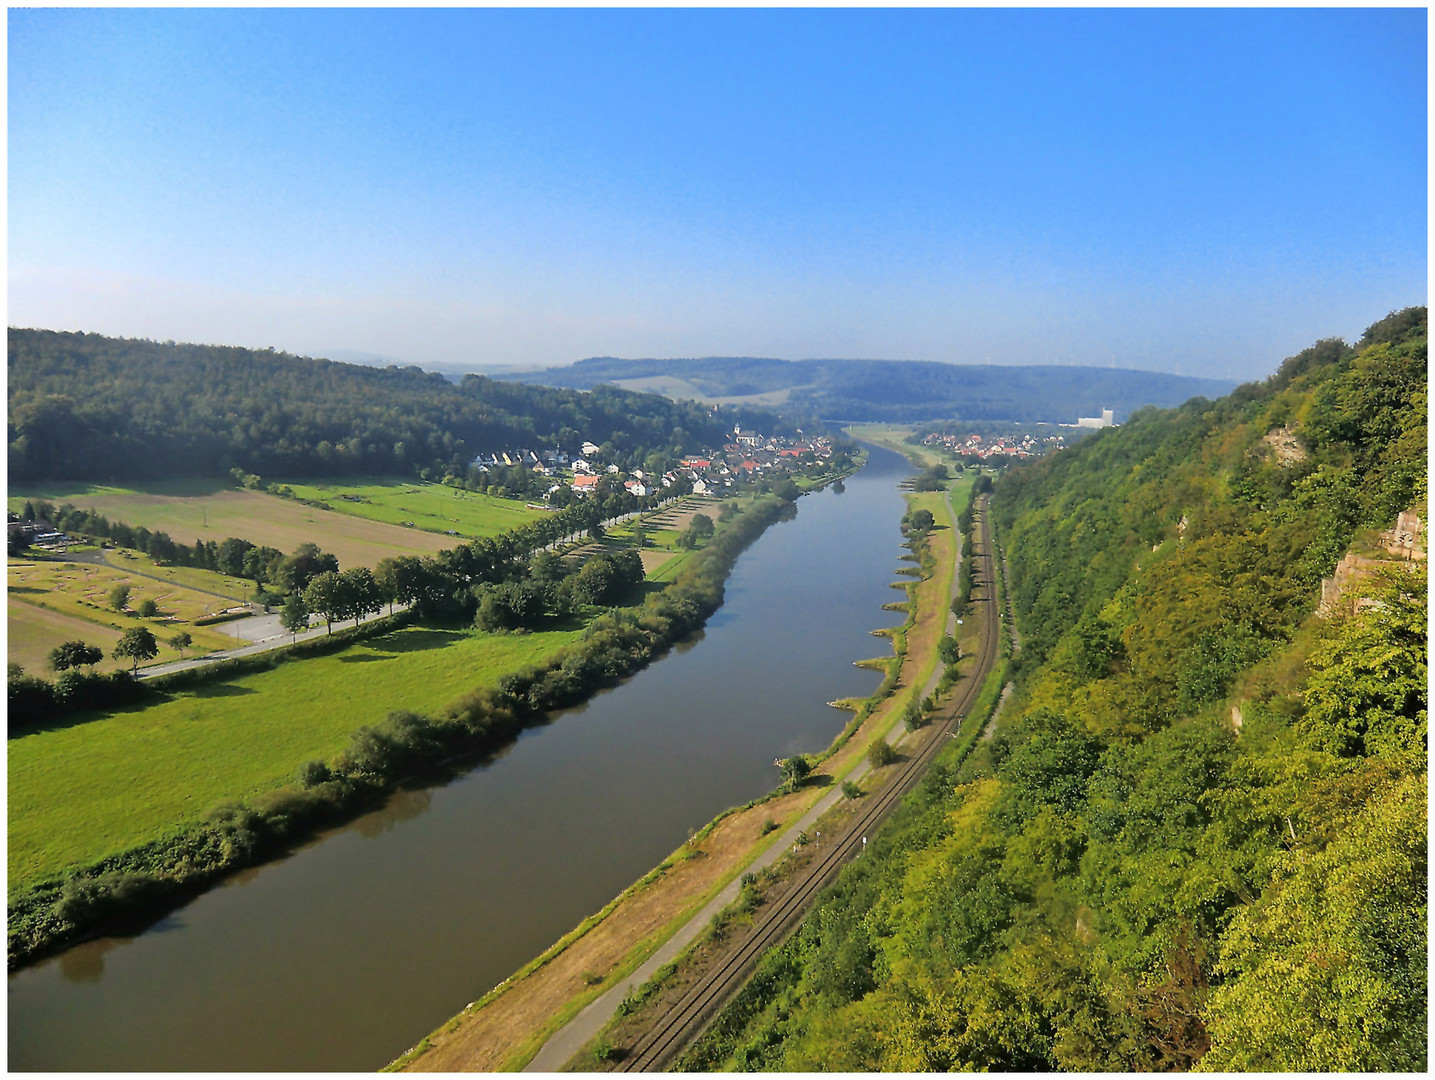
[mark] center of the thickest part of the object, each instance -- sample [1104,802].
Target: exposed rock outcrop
[1405,542]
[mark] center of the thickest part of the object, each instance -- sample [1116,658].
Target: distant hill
[891,390]
[90,407]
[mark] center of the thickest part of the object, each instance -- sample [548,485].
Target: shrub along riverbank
[129,890]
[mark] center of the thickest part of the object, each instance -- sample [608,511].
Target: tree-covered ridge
[1198,837]
[84,406]
[902,390]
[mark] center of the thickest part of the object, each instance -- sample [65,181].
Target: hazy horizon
[1195,192]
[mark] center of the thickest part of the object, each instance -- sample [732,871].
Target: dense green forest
[88,407]
[1198,837]
[901,390]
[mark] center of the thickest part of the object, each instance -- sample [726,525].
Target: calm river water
[345,954]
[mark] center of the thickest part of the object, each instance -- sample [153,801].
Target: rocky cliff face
[1405,543]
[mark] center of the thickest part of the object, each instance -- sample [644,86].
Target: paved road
[266,635]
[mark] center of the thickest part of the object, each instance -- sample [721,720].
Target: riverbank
[505,1028]
[127,891]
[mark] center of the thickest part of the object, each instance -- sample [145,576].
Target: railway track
[686,1020]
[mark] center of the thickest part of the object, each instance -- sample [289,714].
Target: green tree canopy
[74,654]
[136,644]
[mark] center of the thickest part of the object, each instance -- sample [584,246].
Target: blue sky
[1195,191]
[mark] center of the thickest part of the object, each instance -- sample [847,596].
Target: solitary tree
[136,644]
[74,654]
[147,608]
[120,597]
[880,753]
[180,642]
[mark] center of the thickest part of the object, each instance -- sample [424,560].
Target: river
[344,954]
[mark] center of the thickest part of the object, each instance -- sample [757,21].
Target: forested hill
[1198,837]
[893,390]
[88,407]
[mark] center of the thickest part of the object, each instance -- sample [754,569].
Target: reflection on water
[86,963]
[403,805]
[346,953]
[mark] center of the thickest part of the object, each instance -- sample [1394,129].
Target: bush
[947,648]
[313,773]
[880,753]
[851,790]
[108,897]
[795,770]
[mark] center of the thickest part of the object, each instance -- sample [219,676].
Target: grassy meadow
[207,510]
[50,601]
[209,581]
[105,783]
[431,507]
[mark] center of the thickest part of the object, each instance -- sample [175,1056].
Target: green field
[207,510]
[90,789]
[51,601]
[210,581]
[410,503]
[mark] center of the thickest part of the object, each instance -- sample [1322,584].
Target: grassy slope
[88,789]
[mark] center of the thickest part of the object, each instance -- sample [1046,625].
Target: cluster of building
[1011,446]
[40,534]
[747,453]
[548,463]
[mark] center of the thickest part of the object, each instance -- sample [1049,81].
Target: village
[1006,446]
[747,454]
